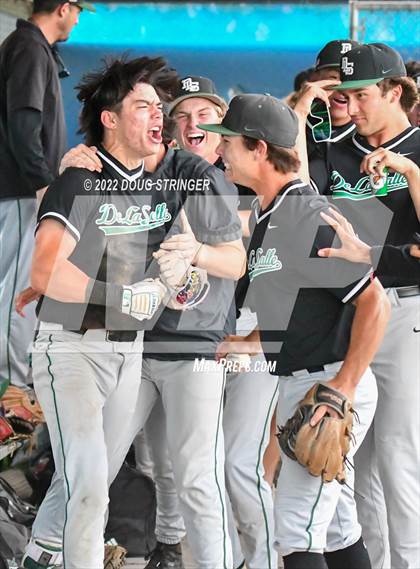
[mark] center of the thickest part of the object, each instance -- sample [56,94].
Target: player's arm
[25,102]
[223,260]
[52,274]
[375,162]
[388,261]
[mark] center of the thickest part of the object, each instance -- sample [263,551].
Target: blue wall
[250,47]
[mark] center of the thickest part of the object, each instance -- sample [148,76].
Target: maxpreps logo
[135,219]
[260,263]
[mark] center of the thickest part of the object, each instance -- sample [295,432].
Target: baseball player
[245,395]
[372,177]
[305,327]
[327,68]
[94,243]
[192,399]
[33,140]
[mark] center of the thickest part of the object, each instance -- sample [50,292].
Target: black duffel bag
[132,512]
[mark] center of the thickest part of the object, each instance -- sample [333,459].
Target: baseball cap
[197,87]
[261,117]
[330,54]
[81,4]
[368,64]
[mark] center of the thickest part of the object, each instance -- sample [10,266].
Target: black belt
[315,369]
[114,335]
[407,291]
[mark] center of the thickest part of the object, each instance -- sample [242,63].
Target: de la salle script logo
[135,218]
[260,262]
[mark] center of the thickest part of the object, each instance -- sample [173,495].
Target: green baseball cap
[81,4]
[369,64]
[261,117]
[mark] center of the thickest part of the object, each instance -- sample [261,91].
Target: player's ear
[63,9]
[260,151]
[109,119]
[396,93]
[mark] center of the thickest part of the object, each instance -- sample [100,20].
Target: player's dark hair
[409,96]
[45,6]
[106,88]
[284,160]
[413,68]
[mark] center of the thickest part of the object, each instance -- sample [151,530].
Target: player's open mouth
[227,166]
[156,134]
[195,139]
[339,101]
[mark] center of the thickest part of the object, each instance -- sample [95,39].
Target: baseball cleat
[166,556]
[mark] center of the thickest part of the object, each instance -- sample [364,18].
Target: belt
[406,291]
[335,366]
[110,335]
[115,335]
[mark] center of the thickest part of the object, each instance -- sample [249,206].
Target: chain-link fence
[394,22]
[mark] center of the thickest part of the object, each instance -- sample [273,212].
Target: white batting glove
[141,300]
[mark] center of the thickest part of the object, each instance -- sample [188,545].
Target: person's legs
[305,506]
[79,385]
[250,401]
[170,527]
[17,226]
[193,404]
[396,434]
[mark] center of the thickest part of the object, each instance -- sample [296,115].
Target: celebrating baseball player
[91,258]
[246,394]
[321,345]
[168,370]
[374,177]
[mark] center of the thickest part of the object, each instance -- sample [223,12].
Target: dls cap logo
[347,66]
[345,47]
[189,85]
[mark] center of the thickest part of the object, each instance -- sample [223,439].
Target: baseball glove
[114,556]
[21,404]
[322,449]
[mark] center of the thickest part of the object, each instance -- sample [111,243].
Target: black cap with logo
[330,55]
[369,64]
[197,87]
[261,117]
[79,3]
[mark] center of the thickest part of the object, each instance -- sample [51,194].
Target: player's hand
[375,162]
[184,243]
[346,388]
[81,156]
[25,297]
[352,248]
[141,300]
[311,91]
[233,344]
[415,251]
[173,268]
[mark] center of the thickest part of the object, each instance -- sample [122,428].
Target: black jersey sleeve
[395,262]
[343,279]
[213,213]
[69,200]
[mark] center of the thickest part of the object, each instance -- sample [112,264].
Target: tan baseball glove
[321,449]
